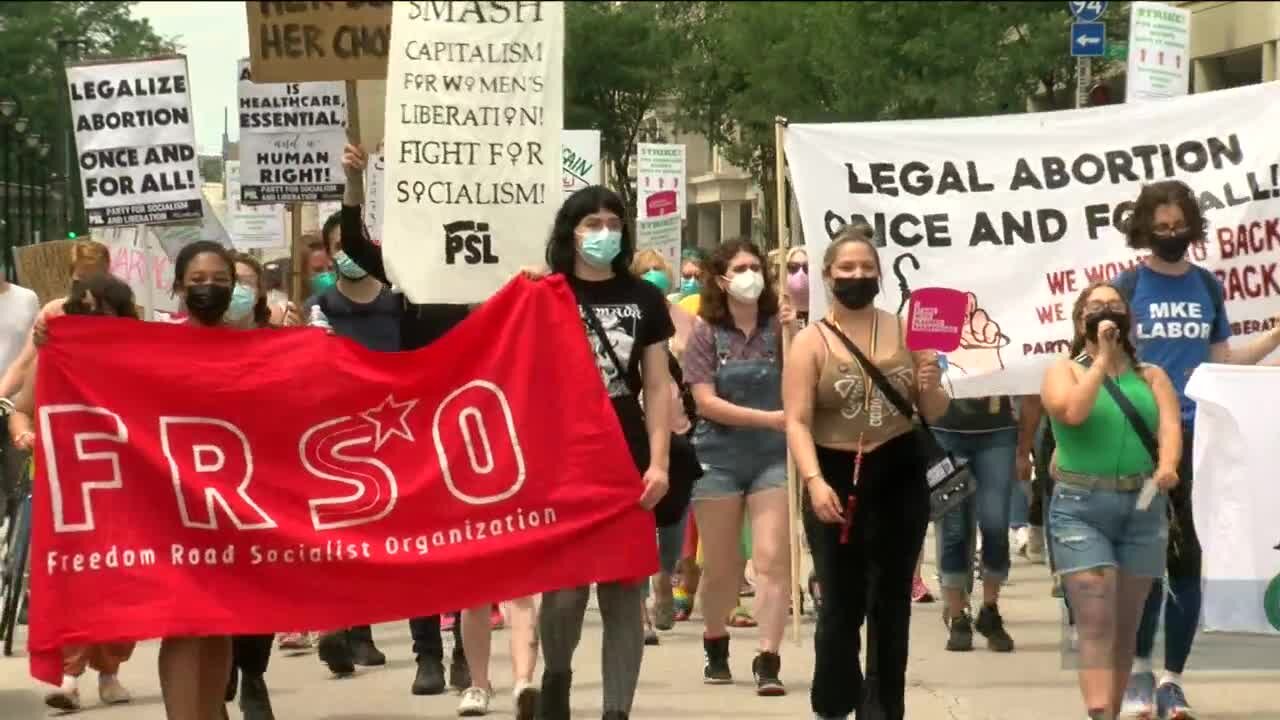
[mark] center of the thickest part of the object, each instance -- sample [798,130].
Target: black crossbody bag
[683,468]
[950,481]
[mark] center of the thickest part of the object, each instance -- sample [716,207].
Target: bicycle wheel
[15,592]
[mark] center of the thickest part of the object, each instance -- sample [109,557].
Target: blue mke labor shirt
[1175,324]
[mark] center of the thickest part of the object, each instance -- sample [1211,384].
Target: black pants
[867,579]
[251,653]
[427,642]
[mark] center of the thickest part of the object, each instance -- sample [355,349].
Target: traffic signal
[71,235]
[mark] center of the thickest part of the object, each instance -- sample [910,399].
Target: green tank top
[1106,444]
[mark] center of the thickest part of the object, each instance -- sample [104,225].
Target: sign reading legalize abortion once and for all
[372,496]
[473,122]
[301,41]
[291,140]
[135,141]
[1023,211]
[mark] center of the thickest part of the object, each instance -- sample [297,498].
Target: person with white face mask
[733,365]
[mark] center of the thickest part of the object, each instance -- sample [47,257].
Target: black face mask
[1172,248]
[855,293]
[1091,323]
[208,303]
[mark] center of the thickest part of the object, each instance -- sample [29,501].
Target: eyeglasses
[1164,231]
[793,268]
[1097,307]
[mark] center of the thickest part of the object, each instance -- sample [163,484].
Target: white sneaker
[1035,545]
[475,702]
[111,692]
[1018,541]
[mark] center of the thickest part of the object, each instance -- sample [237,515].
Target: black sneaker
[363,651]
[255,700]
[459,671]
[553,701]
[765,669]
[615,715]
[334,650]
[991,625]
[716,671]
[959,633]
[429,679]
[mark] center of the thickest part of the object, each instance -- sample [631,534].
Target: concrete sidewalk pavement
[1029,683]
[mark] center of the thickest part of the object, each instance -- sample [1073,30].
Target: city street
[1030,683]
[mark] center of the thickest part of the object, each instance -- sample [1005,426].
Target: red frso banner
[208,482]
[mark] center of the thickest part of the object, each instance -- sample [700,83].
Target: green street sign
[1118,50]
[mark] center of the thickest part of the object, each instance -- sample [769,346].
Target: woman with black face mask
[867,503]
[1108,538]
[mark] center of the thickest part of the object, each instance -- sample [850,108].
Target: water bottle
[318,319]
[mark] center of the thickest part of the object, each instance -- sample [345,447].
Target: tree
[824,62]
[33,39]
[616,71]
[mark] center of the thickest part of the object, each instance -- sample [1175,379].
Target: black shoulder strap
[1215,291]
[886,388]
[1139,425]
[594,322]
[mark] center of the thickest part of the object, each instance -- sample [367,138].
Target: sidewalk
[1027,684]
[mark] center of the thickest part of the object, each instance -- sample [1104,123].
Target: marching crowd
[693,360]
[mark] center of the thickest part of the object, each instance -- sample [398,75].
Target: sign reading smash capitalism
[370,497]
[1025,211]
[135,141]
[301,41]
[291,140]
[473,123]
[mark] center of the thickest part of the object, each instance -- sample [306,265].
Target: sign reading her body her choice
[1023,212]
[291,140]
[473,122]
[135,141]
[251,226]
[302,41]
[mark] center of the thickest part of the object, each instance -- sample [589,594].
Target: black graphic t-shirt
[375,325]
[634,316]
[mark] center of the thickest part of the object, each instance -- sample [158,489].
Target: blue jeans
[1019,506]
[991,459]
[670,543]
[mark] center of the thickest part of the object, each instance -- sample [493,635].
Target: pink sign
[936,318]
[661,203]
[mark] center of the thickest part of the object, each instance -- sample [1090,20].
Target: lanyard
[852,505]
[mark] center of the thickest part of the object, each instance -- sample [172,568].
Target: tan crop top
[848,405]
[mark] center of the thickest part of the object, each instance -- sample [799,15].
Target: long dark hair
[714,305]
[562,246]
[1139,227]
[261,312]
[194,250]
[108,293]
[1077,324]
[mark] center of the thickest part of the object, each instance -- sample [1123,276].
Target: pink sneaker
[920,592]
[496,621]
[295,641]
[447,621]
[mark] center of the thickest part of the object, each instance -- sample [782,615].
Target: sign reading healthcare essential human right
[474,111]
[291,140]
[135,141]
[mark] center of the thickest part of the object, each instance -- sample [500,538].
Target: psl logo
[470,240]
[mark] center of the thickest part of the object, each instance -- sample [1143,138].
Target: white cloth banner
[579,159]
[251,226]
[662,235]
[472,138]
[1021,211]
[135,141]
[1235,496]
[291,139]
[660,180]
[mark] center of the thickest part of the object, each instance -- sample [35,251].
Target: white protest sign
[1023,212]
[375,191]
[661,234]
[579,159]
[473,124]
[1159,51]
[291,139]
[138,259]
[251,226]
[135,141]
[660,180]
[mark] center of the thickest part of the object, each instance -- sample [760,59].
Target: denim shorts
[740,480]
[1091,528]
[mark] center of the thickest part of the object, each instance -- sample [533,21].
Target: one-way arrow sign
[1088,39]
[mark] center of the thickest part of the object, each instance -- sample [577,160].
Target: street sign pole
[1084,80]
